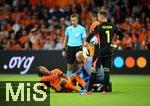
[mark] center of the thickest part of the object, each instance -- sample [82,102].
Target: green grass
[127,91]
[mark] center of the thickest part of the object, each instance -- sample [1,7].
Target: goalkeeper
[106,32]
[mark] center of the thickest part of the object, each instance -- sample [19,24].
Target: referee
[75,36]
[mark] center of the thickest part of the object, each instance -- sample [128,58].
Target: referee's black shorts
[71,53]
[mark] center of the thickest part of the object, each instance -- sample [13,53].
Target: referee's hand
[64,53]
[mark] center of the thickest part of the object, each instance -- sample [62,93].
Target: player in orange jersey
[59,81]
[95,22]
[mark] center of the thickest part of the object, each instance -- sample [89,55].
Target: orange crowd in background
[40,24]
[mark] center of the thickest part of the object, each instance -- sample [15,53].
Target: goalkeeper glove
[85,51]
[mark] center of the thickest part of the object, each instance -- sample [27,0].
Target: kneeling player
[87,68]
[58,80]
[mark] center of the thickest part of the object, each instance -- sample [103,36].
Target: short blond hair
[103,12]
[74,16]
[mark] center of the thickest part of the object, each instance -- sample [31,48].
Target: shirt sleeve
[119,32]
[66,32]
[92,34]
[59,72]
[83,33]
[45,78]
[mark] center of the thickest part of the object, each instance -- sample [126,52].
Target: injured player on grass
[59,81]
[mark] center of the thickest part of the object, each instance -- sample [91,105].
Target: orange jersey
[93,25]
[54,78]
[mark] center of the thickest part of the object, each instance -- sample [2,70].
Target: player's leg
[107,66]
[98,85]
[95,67]
[96,63]
[100,75]
[78,79]
[70,61]
[96,53]
[69,69]
[92,80]
[68,85]
[79,65]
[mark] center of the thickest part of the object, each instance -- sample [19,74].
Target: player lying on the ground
[59,81]
[86,70]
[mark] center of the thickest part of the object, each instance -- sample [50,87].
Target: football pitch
[128,90]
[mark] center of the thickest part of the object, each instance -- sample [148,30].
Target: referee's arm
[65,42]
[64,46]
[84,42]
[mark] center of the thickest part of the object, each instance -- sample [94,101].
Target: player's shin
[80,80]
[106,78]
[91,80]
[69,85]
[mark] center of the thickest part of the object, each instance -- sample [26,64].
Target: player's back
[106,31]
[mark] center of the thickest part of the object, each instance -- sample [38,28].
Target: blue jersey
[75,35]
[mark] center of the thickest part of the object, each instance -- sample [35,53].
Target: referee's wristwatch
[64,49]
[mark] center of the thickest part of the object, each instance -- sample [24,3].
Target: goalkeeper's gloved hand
[115,45]
[85,51]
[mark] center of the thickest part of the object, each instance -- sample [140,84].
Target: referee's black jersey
[106,32]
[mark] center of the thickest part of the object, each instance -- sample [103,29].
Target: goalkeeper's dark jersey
[106,32]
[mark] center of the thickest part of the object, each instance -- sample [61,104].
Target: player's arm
[84,42]
[80,70]
[65,42]
[84,37]
[92,34]
[84,46]
[120,34]
[44,82]
[64,46]
[61,74]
